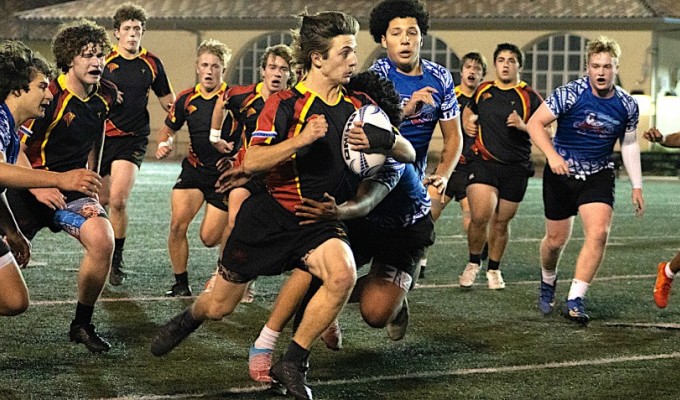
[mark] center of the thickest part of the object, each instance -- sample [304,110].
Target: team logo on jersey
[69,117]
[486,96]
[251,111]
[191,109]
[112,66]
[143,70]
[599,124]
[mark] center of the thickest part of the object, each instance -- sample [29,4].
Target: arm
[217,123]
[165,139]
[655,136]
[263,158]
[541,138]
[52,198]
[166,101]
[369,194]
[21,247]
[453,146]
[419,97]
[630,153]
[470,126]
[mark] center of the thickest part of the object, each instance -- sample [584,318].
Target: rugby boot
[85,334]
[173,333]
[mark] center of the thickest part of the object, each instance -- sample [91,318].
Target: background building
[553,35]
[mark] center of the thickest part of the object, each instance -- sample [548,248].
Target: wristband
[166,143]
[215,135]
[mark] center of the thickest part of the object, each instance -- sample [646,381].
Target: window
[553,61]
[433,49]
[247,69]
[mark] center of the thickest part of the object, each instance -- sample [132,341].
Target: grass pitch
[472,344]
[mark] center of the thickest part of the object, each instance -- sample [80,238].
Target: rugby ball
[360,163]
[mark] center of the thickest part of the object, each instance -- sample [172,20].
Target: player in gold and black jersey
[297,139]
[135,71]
[242,106]
[500,163]
[70,137]
[196,182]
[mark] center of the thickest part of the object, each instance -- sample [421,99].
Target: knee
[179,229]
[15,306]
[375,317]
[342,279]
[118,202]
[210,240]
[555,241]
[598,235]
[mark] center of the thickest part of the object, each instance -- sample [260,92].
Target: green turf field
[461,344]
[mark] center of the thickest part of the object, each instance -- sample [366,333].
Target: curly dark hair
[381,90]
[388,10]
[19,65]
[127,12]
[316,33]
[73,37]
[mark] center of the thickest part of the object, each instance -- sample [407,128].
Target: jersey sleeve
[564,97]
[449,108]
[161,85]
[176,116]
[389,173]
[272,123]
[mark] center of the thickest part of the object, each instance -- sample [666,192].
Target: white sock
[267,339]
[578,289]
[669,273]
[548,276]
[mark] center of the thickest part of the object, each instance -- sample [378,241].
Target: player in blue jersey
[592,114]
[426,90]
[136,72]
[24,94]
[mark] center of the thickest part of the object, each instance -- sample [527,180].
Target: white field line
[441,239]
[429,375]
[39,303]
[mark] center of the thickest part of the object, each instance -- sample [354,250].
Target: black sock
[188,320]
[83,314]
[296,354]
[493,265]
[485,251]
[475,259]
[182,278]
[119,243]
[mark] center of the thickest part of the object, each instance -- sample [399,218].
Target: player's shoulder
[108,91]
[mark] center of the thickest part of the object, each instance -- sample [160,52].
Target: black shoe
[117,275]
[173,333]
[85,334]
[179,289]
[289,375]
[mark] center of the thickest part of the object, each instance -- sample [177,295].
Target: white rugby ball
[364,164]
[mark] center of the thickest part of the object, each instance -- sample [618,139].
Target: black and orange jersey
[196,110]
[244,104]
[496,141]
[318,168]
[63,139]
[134,77]
[468,141]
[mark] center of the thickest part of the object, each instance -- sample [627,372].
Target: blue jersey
[418,128]
[9,140]
[589,126]
[406,203]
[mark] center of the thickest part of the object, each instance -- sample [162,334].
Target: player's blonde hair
[603,44]
[216,48]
